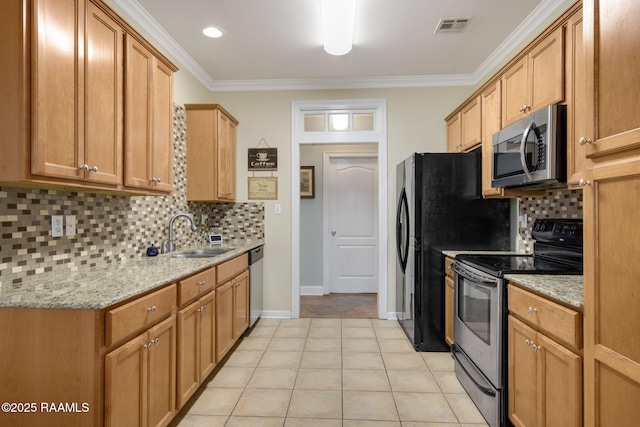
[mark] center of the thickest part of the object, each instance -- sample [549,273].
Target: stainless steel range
[480,309]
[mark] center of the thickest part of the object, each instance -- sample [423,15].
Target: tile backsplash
[110,228]
[553,205]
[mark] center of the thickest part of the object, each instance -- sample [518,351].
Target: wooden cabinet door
[57,91]
[207,330]
[454,133]
[162,142]
[103,98]
[560,383]
[241,304]
[576,100]
[188,352]
[138,117]
[546,72]
[161,390]
[611,37]
[515,92]
[491,123]
[448,310]
[126,387]
[471,124]
[226,158]
[224,319]
[611,297]
[524,398]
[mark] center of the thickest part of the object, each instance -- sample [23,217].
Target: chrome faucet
[168,245]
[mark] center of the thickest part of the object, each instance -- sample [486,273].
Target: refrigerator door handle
[402,242]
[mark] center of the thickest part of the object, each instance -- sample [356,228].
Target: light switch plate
[57,225]
[70,220]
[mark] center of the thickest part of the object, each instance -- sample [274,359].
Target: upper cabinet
[149,120]
[464,130]
[64,74]
[535,80]
[612,69]
[211,153]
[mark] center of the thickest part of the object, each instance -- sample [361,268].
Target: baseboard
[274,314]
[392,315]
[311,290]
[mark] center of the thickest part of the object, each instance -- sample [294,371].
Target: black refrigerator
[439,207]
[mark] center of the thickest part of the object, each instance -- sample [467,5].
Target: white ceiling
[277,44]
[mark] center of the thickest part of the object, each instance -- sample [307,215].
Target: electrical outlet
[70,220]
[278,209]
[57,225]
[203,218]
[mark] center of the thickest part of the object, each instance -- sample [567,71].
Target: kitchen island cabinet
[211,150]
[545,369]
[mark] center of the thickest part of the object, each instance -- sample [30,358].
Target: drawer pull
[202,283]
[151,309]
[533,310]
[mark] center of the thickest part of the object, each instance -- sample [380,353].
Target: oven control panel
[558,230]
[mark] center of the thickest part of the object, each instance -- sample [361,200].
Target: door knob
[333,232]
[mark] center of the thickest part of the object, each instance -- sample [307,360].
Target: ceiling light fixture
[213,32]
[338,19]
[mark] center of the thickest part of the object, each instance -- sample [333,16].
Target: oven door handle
[482,388]
[474,277]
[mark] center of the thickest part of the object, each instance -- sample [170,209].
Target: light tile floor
[331,373]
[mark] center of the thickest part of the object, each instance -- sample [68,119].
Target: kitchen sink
[199,253]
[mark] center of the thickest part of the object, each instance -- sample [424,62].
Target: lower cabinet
[232,313]
[448,301]
[140,385]
[196,346]
[545,377]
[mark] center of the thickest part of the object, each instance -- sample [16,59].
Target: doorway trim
[379,137]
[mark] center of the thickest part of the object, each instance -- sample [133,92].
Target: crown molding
[525,31]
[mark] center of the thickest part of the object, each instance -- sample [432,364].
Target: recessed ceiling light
[213,32]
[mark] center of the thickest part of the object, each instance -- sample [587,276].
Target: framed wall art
[307,182]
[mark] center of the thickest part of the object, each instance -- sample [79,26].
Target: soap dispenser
[152,250]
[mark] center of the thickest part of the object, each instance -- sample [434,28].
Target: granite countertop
[566,289]
[97,288]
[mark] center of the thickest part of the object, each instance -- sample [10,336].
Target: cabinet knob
[527,342]
[94,169]
[533,310]
[584,141]
[151,309]
[156,341]
[583,182]
[154,179]
[84,168]
[536,347]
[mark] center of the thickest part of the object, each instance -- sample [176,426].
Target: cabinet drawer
[447,266]
[198,284]
[232,267]
[547,316]
[139,314]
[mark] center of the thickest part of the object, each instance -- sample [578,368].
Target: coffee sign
[263,159]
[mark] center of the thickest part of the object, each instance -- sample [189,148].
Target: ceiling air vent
[452,25]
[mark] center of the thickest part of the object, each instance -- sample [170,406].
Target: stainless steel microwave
[532,151]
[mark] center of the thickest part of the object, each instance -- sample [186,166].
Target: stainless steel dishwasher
[255,284]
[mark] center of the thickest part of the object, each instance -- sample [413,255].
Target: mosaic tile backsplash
[111,228]
[565,204]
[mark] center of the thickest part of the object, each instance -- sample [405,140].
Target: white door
[351,223]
